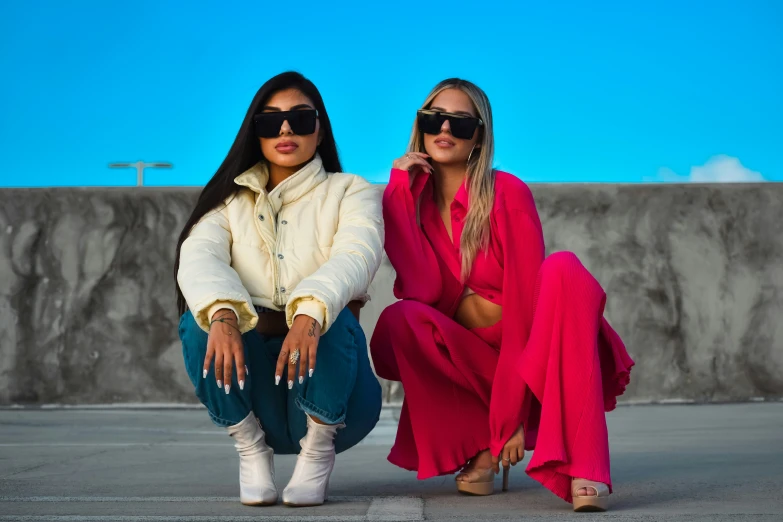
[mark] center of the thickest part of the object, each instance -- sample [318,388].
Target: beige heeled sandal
[588,503]
[485,485]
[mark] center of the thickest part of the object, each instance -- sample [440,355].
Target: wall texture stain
[693,275]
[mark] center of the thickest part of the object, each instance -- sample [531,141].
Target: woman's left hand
[303,338]
[513,451]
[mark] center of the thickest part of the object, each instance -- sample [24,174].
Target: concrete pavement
[694,463]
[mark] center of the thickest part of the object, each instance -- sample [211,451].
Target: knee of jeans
[344,320]
[345,330]
[340,352]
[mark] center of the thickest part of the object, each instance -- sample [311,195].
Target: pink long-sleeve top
[428,265]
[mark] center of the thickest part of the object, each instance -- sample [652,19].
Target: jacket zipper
[275,268]
[275,259]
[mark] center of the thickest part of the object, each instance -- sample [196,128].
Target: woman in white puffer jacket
[272,268]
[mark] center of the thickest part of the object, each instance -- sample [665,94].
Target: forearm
[417,269]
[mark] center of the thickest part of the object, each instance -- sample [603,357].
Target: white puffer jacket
[310,246]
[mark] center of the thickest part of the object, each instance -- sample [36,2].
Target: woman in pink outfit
[498,349]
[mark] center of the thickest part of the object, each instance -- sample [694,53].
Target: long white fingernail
[311,372]
[241,385]
[277,380]
[220,384]
[301,379]
[204,374]
[290,384]
[228,388]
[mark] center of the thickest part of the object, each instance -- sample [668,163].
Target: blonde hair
[480,176]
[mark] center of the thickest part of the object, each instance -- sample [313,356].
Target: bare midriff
[474,311]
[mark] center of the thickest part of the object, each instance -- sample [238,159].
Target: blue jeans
[343,388]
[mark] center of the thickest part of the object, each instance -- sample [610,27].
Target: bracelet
[228,315]
[225,313]
[222,320]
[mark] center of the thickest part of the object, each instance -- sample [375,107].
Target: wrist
[229,325]
[222,309]
[224,316]
[312,309]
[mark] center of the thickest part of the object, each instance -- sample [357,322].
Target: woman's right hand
[411,161]
[226,348]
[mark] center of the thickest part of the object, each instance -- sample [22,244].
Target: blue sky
[587,91]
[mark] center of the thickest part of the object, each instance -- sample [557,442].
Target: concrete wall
[693,273]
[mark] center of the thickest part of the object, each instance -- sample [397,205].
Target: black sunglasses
[462,127]
[302,122]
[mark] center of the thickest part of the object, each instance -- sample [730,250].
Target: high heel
[485,485]
[310,482]
[588,503]
[256,463]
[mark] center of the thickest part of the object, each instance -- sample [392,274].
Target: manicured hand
[513,451]
[412,162]
[303,336]
[226,348]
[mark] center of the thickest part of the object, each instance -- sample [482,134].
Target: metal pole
[140,166]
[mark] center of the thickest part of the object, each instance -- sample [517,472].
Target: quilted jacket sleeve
[355,257]
[206,277]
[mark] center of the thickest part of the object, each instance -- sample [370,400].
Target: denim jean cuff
[314,411]
[220,422]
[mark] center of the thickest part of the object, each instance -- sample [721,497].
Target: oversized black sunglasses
[302,122]
[462,127]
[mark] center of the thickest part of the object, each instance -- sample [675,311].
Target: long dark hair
[246,152]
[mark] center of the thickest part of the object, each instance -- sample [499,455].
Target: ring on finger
[294,357]
[507,460]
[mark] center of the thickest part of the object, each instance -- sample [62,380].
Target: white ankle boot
[313,466]
[256,463]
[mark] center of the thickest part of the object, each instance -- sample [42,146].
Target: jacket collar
[291,189]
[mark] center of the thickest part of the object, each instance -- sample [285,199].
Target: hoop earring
[471,154]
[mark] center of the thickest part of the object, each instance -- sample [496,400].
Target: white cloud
[718,169]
